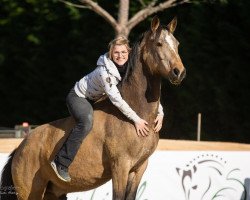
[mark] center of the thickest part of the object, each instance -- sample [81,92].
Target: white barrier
[186,175]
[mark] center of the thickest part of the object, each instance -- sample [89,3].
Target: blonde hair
[120,40]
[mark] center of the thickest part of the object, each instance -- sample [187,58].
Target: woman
[103,80]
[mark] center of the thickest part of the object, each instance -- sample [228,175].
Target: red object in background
[25,124]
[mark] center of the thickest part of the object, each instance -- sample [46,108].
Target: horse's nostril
[176,72]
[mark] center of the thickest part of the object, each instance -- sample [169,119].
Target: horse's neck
[142,92]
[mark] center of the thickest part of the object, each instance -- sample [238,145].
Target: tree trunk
[123,25]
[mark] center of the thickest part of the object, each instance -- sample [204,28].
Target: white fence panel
[186,175]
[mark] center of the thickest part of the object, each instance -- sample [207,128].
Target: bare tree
[123,25]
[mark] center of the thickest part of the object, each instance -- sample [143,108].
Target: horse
[112,149]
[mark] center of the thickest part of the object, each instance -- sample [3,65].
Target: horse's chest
[144,149]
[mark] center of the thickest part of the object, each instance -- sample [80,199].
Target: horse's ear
[172,25]
[155,24]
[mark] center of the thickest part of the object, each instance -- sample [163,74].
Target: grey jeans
[82,111]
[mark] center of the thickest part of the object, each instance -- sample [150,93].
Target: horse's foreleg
[134,181]
[120,171]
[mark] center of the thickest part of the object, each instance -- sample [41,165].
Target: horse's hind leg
[134,181]
[53,192]
[52,196]
[63,197]
[37,191]
[28,187]
[34,192]
[30,193]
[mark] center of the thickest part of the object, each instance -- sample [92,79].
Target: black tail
[7,189]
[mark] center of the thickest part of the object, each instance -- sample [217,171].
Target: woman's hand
[158,123]
[142,128]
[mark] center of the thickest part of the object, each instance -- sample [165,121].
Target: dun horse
[112,150]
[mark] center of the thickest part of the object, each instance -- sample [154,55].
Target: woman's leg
[82,112]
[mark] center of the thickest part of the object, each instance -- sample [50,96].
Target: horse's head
[160,51]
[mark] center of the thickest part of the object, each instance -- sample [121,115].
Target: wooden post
[199,127]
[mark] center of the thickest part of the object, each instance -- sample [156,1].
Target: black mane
[133,56]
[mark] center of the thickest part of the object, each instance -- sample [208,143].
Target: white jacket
[103,80]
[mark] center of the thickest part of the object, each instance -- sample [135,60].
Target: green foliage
[43,50]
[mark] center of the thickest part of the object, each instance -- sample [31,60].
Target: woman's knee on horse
[85,124]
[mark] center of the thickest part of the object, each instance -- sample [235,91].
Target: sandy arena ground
[8,144]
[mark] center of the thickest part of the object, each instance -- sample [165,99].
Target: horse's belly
[91,167]
[84,184]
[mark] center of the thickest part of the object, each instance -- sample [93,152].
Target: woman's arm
[159,119]
[110,88]
[160,110]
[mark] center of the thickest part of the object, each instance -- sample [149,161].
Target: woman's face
[120,54]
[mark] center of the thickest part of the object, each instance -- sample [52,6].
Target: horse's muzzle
[176,76]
